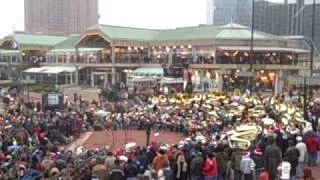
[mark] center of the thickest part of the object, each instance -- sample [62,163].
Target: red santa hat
[258,151]
[246,153]
[119,152]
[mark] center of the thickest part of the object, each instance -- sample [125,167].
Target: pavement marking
[80,141]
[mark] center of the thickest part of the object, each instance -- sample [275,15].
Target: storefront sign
[245,74]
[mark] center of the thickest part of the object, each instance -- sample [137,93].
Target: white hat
[163,148]
[299,138]
[123,158]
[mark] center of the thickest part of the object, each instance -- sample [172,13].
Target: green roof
[243,33]
[68,43]
[126,33]
[187,33]
[229,31]
[37,39]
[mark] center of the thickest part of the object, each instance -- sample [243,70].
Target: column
[92,79]
[194,55]
[281,81]
[77,76]
[113,76]
[105,80]
[77,54]
[202,80]
[214,54]
[278,82]
[220,81]
[170,56]
[113,55]
[149,53]
[66,79]
[57,79]
[87,74]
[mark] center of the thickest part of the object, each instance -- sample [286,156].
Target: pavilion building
[217,57]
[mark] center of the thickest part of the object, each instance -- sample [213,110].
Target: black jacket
[259,160]
[131,170]
[117,173]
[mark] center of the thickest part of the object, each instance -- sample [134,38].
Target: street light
[312,36]
[251,45]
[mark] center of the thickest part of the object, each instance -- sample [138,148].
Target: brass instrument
[244,135]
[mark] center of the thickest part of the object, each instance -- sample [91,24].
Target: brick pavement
[316,172]
[117,139]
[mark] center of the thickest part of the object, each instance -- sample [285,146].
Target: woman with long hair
[180,168]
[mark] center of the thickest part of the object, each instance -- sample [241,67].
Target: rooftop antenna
[231,20]
[13,27]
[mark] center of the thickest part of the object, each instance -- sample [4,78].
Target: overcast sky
[157,14]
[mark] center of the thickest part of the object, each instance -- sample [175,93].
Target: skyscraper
[222,12]
[291,17]
[60,16]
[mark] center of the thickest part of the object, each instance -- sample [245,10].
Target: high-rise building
[60,16]
[291,17]
[222,12]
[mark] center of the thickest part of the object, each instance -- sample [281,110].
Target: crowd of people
[217,126]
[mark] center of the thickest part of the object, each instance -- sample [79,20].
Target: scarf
[183,169]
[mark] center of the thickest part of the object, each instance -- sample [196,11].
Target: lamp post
[305,105]
[312,37]
[251,44]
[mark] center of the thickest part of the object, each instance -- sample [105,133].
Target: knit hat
[246,153]
[299,138]
[123,158]
[258,151]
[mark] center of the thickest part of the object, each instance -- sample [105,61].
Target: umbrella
[102,113]
[268,121]
[130,145]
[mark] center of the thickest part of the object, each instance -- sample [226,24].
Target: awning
[52,69]
[149,71]
[268,49]
[74,50]
[34,70]
[171,81]
[143,79]
[9,52]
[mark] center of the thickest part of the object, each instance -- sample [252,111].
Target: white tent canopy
[52,69]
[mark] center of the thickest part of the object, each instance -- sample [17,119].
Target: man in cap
[302,148]
[247,166]
[258,159]
[109,162]
[161,160]
[117,171]
[272,157]
[99,169]
[235,162]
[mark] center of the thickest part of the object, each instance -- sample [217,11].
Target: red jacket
[210,167]
[264,176]
[312,143]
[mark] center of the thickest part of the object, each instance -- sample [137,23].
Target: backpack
[198,168]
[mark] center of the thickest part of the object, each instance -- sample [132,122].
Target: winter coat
[100,171]
[131,170]
[160,161]
[259,160]
[196,166]
[117,173]
[272,160]
[180,171]
[210,167]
